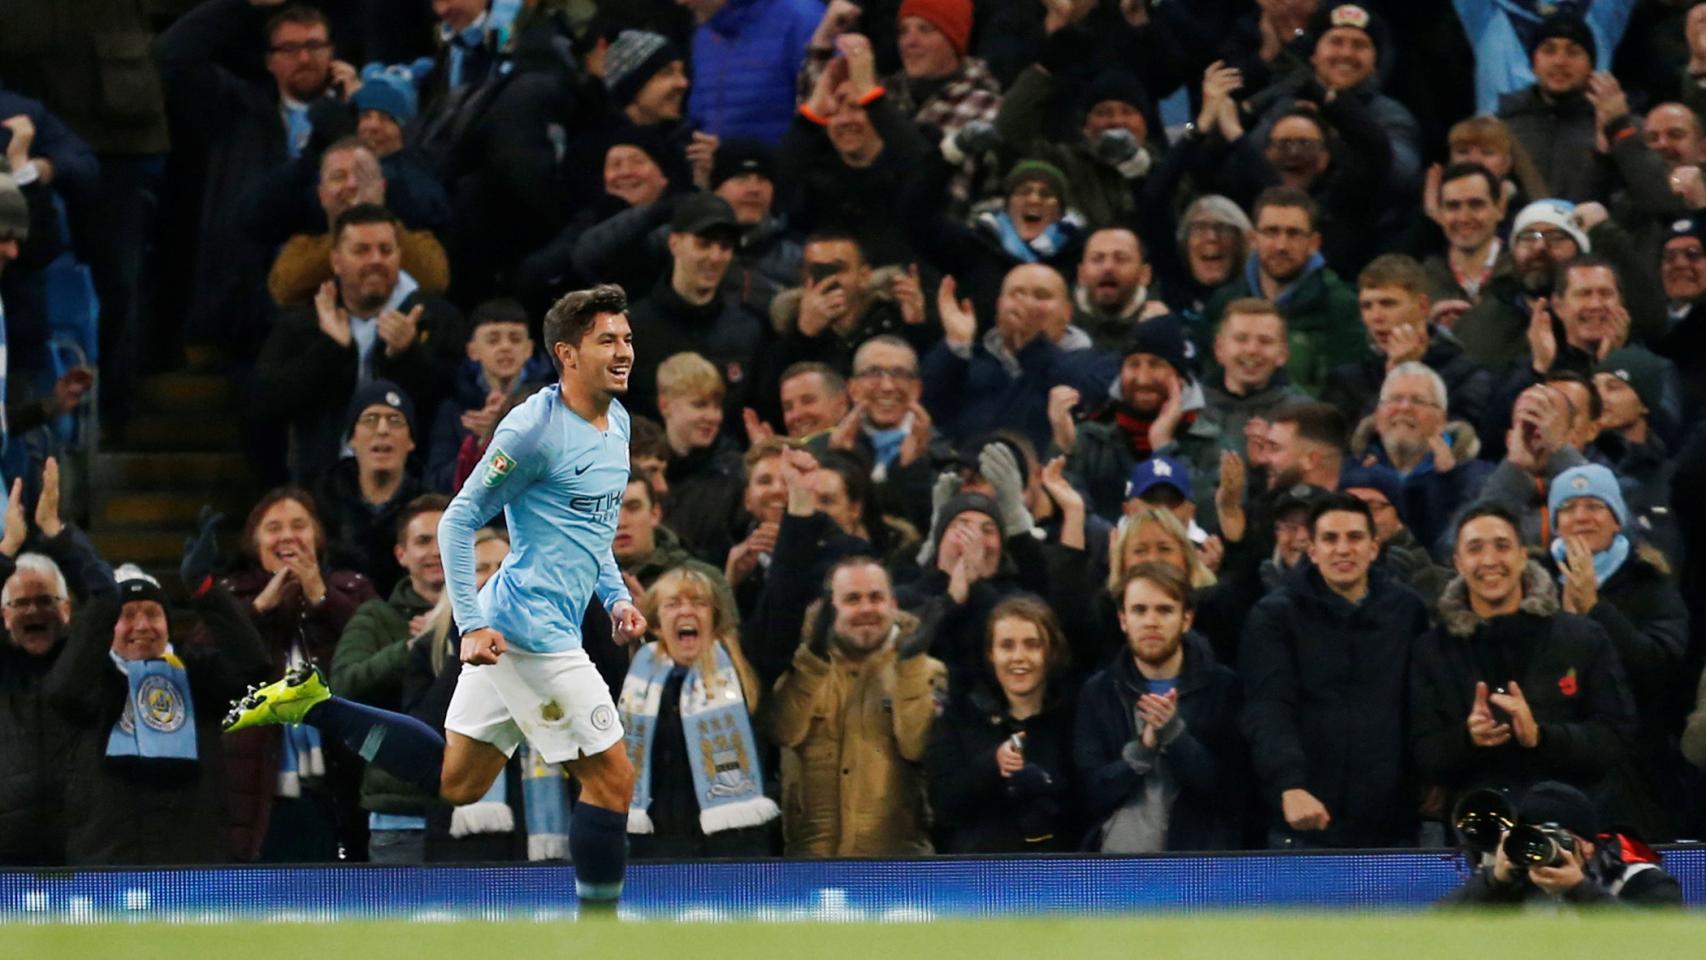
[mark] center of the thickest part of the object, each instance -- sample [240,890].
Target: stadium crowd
[1119,425]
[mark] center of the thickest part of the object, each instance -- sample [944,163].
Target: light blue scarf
[545,793]
[727,780]
[160,697]
[1047,244]
[1605,562]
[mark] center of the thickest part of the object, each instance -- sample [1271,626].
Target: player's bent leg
[606,779]
[598,828]
[470,768]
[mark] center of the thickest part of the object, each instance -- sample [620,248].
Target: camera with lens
[1539,845]
[1481,818]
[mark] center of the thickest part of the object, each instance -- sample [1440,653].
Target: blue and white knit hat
[1588,480]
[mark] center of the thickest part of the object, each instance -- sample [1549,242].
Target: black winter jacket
[151,811]
[979,811]
[1208,761]
[1568,670]
[1325,684]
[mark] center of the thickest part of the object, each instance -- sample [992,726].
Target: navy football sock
[394,742]
[598,844]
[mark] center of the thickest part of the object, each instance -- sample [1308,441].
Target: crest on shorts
[603,716]
[498,469]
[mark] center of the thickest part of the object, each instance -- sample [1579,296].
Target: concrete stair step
[130,472]
[165,510]
[181,433]
[199,394]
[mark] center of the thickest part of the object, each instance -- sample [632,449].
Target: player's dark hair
[425,503]
[571,317]
[1339,502]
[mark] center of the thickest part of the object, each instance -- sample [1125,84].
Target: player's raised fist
[627,621]
[484,645]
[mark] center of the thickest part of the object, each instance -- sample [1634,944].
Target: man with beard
[1546,233]
[1509,689]
[1114,292]
[689,312]
[371,322]
[853,718]
[1392,296]
[1435,457]
[1305,443]
[1324,660]
[1157,411]
[1158,750]
[1471,204]
[1287,270]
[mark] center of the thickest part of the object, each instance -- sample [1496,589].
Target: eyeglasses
[1683,255]
[41,601]
[1205,227]
[1553,239]
[311,47]
[1034,190]
[892,373]
[1408,399]
[371,421]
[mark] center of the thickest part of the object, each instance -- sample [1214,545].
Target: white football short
[556,701]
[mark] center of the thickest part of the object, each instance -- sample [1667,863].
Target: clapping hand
[398,330]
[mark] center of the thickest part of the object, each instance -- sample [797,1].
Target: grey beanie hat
[14,210]
[1218,209]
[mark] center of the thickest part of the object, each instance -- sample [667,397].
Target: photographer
[1557,818]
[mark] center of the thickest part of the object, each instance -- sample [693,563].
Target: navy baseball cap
[1156,472]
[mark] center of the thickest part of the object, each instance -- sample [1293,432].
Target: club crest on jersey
[498,469]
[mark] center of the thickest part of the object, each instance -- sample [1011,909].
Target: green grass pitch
[1242,936]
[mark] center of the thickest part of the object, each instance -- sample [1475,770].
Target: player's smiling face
[605,356]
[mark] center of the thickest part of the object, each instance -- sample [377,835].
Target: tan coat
[304,262]
[853,735]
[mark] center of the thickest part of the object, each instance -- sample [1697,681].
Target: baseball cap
[703,213]
[1158,472]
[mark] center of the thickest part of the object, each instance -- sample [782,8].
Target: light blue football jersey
[559,481]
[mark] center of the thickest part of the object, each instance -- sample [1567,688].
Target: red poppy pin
[1567,684]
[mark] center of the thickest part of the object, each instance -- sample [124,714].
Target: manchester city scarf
[158,722]
[727,780]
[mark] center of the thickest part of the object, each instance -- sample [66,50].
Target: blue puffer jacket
[745,63]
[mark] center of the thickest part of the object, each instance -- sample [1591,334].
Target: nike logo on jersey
[581,470]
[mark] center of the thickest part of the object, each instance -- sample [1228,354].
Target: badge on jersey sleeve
[498,469]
